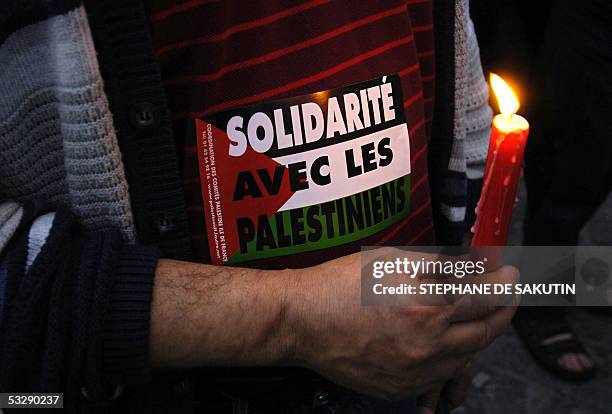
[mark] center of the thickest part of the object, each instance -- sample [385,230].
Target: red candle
[503,170]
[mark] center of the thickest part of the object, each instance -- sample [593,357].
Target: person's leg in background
[568,160]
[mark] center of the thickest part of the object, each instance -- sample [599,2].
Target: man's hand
[386,352]
[208,315]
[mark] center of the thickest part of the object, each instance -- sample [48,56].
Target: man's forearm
[210,316]
[206,315]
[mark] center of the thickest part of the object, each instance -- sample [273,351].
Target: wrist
[300,317]
[287,283]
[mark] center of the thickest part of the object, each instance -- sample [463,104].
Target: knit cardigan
[86,143]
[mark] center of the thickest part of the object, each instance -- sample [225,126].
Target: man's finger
[467,337]
[428,403]
[456,390]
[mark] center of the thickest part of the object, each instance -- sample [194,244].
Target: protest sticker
[304,173]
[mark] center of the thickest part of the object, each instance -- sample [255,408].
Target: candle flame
[508,102]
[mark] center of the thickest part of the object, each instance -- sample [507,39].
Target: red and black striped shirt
[216,55]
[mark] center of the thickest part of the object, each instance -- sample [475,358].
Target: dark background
[507,380]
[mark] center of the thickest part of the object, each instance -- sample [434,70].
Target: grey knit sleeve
[478,113]
[472,111]
[471,130]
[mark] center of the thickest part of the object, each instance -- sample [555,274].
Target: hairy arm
[206,315]
[209,316]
